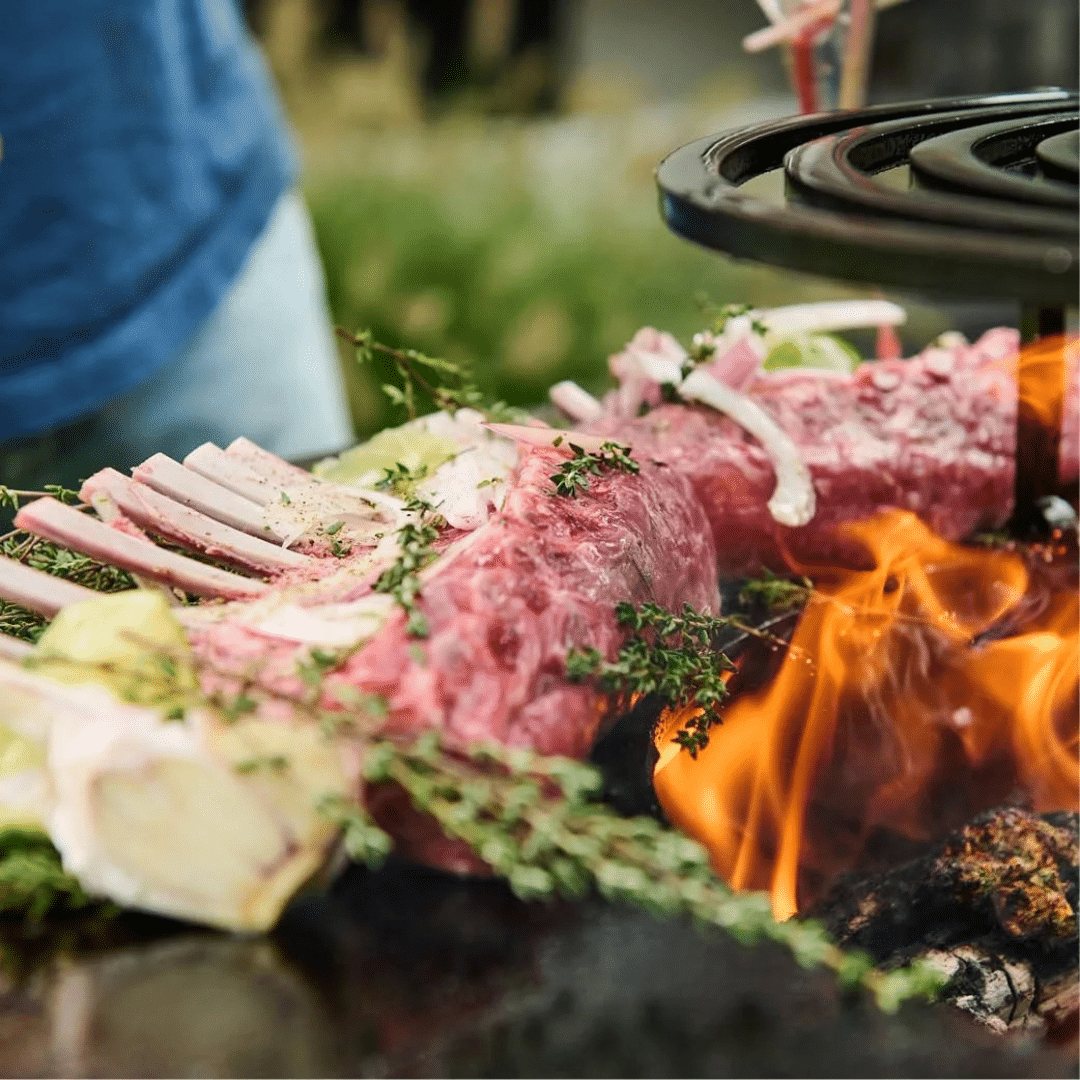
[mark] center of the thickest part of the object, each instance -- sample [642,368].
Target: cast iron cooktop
[970,196]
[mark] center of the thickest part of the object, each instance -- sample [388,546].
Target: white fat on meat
[321,509]
[323,626]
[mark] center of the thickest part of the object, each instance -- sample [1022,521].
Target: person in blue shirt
[159,283]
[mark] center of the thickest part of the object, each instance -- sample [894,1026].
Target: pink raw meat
[541,577]
[935,435]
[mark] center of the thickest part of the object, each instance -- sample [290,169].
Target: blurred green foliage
[530,251]
[524,307]
[530,275]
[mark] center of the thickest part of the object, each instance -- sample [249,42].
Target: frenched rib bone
[66,526]
[212,462]
[13,649]
[267,465]
[37,591]
[183,485]
[189,528]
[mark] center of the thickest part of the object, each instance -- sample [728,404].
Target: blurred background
[480,171]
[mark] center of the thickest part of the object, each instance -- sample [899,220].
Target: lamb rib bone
[267,465]
[229,471]
[184,485]
[37,591]
[189,528]
[66,526]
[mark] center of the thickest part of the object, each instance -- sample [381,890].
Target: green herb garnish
[400,479]
[32,879]
[776,593]
[669,655]
[448,385]
[721,314]
[534,820]
[573,474]
[272,763]
[401,581]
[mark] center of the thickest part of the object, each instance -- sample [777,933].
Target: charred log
[993,906]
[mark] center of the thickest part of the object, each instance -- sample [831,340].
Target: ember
[939,683]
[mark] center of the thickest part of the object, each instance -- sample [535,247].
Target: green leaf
[531,883]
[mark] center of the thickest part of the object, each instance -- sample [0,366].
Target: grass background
[531,249]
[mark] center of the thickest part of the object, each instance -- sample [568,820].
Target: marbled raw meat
[935,434]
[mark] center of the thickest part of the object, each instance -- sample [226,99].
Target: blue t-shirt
[143,153]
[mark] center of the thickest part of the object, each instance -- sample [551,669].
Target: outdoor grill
[408,971]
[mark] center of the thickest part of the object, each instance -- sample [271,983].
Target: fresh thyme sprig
[41,555]
[401,480]
[19,623]
[534,821]
[670,655]
[449,385]
[32,880]
[776,593]
[573,474]
[401,579]
[11,498]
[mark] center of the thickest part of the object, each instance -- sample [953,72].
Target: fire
[939,683]
[1040,375]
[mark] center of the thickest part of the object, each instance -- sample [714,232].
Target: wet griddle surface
[409,972]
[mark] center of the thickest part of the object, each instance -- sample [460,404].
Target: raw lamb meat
[522,574]
[935,434]
[503,603]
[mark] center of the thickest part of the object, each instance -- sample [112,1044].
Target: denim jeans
[264,365]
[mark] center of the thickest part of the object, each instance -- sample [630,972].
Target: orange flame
[1040,374]
[939,683]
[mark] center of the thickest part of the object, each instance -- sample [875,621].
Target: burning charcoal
[994,906]
[626,756]
[1008,874]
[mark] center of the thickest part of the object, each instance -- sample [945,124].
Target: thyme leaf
[449,385]
[272,763]
[573,475]
[400,579]
[670,655]
[401,480]
[721,314]
[32,880]
[776,593]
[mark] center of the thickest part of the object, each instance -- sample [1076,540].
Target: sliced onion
[575,401]
[793,502]
[829,315]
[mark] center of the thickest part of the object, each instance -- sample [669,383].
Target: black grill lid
[991,209]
